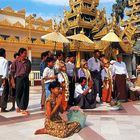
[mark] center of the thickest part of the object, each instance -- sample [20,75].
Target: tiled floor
[101,123]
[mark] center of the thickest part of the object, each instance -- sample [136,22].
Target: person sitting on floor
[85,95]
[54,125]
[133,89]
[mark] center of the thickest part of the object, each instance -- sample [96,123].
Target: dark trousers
[96,77]
[22,92]
[120,87]
[86,101]
[71,90]
[4,98]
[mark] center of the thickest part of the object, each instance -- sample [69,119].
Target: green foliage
[118,9]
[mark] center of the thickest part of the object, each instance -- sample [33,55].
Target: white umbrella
[80,38]
[55,37]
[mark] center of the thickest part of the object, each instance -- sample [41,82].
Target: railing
[34,76]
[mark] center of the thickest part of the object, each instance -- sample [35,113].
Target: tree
[118,9]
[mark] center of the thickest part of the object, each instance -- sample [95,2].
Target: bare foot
[26,113]
[18,110]
[40,131]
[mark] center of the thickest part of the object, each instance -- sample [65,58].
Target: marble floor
[101,124]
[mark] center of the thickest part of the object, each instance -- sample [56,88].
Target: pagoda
[84,15]
[132,24]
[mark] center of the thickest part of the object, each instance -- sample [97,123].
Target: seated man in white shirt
[85,96]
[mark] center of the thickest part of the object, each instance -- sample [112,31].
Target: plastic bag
[1,91]
[77,116]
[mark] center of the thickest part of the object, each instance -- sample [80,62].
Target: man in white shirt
[4,79]
[85,96]
[94,66]
[119,75]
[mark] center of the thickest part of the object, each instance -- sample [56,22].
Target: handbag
[77,116]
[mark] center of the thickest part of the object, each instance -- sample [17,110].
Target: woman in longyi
[54,125]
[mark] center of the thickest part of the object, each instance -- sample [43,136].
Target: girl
[63,79]
[54,125]
[107,82]
[83,71]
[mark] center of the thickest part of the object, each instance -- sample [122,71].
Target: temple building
[18,30]
[132,26]
[85,16]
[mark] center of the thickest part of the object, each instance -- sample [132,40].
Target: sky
[48,8]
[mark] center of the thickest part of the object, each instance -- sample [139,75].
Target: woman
[83,71]
[64,81]
[54,125]
[107,82]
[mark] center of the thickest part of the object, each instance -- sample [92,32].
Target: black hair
[2,52]
[15,55]
[54,85]
[9,63]
[49,59]
[44,54]
[21,51]
[59,53]
[47,53]
[71,54]
[81,79]
[96,51]
[102,55]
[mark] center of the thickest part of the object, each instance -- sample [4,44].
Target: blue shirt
[42,67]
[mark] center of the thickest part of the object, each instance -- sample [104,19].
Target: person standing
[21,68]
[83,71]
[64,81]
[106,74]
[11,89]
[59,56]
[4,80]
[71,72]
[120,75]
[94,66]
[48,75]
[42,67]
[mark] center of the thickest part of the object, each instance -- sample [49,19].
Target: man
[43,64]
[12,90]
[21,68]
[119,75]
[71,72]
[59,56]
[94,66]
[85,96]
[4,79]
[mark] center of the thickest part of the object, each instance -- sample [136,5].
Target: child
[48,75]
[63,79]
[107,82]
[54,125]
